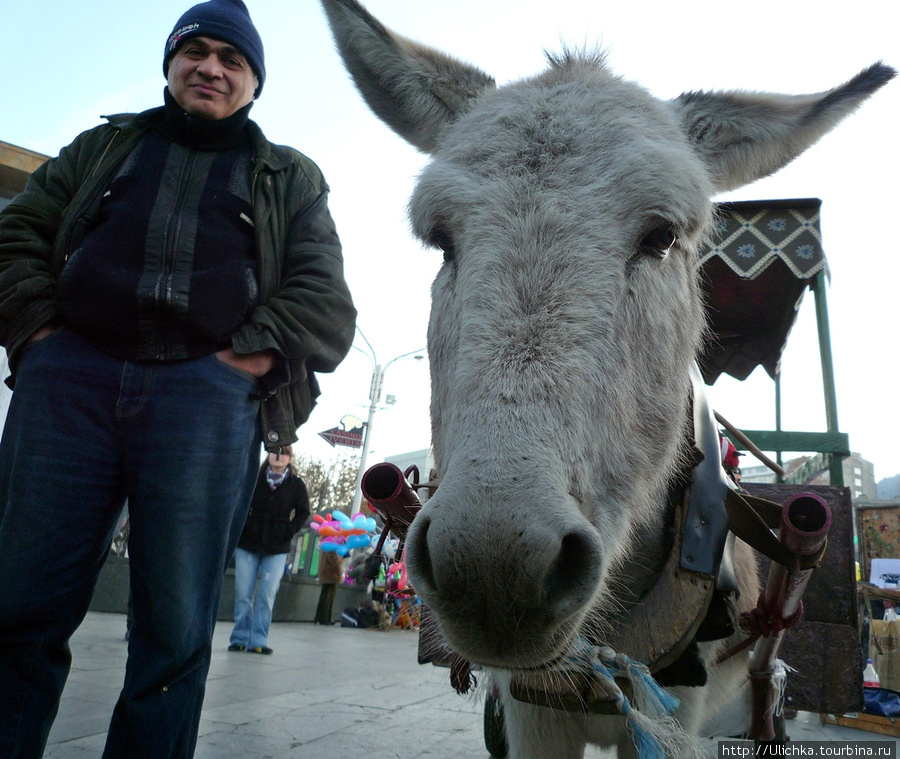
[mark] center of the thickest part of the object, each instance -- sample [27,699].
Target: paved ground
[325,692]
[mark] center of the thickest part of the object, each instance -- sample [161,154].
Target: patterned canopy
[763,256]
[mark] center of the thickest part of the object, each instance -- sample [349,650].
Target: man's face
[210,79]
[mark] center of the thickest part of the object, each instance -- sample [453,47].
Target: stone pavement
[325,692]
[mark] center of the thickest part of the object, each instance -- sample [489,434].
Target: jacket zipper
[262,182]
[164,282]
[81,217]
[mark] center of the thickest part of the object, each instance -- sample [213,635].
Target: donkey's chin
[515,651]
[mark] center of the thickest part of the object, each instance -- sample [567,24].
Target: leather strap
[706,523]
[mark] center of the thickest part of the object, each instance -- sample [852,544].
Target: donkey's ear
[415,90]
[743,136]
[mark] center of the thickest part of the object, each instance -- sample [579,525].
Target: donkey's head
[569,208]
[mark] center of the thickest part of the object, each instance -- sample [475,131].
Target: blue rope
[653,706]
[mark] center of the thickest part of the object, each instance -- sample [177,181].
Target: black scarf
[203,134]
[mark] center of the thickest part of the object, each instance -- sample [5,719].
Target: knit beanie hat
[226,21]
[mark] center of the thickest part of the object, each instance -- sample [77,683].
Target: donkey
[565,322]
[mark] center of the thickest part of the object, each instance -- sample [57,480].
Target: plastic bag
[882,701]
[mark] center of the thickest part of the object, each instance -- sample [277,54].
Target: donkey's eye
[442,239]
[658,242]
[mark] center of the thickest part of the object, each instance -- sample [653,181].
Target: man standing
[169,284]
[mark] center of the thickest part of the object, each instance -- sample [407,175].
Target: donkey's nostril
[574,574]
[418,556]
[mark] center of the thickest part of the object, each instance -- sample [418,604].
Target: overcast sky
[66,64]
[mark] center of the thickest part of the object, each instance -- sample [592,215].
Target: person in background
[169,285]
[331,574]
[278,511]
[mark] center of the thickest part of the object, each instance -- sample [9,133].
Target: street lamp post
[375,390]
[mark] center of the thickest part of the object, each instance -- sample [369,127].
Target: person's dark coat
[275,515]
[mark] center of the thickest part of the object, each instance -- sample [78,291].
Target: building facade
[859,474]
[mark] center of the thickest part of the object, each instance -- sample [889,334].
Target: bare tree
[344,474]
[330,484]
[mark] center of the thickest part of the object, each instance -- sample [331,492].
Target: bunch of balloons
[341,534]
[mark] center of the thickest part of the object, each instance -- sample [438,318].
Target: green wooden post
[835,464]
[779,459]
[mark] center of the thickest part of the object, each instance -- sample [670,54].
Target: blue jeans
[253,617]
[85,432]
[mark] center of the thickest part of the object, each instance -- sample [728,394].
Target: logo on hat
[176,36]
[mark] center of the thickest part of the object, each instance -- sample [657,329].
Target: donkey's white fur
[563,328]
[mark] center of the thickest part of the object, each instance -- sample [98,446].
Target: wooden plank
[872,723]
[16,165]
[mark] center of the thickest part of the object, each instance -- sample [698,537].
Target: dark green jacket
[304,313]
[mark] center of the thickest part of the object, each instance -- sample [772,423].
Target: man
[169,284]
